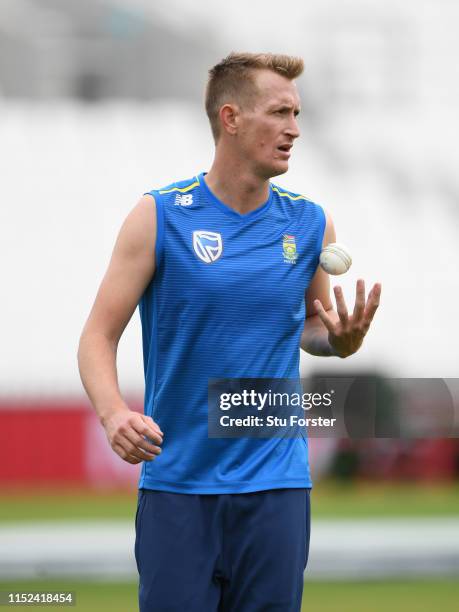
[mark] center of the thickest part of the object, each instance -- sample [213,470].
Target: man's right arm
[131,268]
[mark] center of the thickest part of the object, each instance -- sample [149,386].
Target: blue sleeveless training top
[226,301]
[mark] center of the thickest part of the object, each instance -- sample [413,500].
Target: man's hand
[127,432]
[346,335]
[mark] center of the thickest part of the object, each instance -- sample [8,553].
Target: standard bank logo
[208,246]
[184,199]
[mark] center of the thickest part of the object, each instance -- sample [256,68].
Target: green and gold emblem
[289,248]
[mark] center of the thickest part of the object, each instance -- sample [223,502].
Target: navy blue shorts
[228,553]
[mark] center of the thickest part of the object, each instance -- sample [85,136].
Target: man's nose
[293,129]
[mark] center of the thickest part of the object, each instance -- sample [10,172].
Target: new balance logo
[182,199]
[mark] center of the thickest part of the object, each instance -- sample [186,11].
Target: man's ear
[229,115]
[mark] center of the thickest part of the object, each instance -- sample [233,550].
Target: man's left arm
[330,332]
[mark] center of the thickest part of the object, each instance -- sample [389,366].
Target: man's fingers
[151,424]
[149,421]
[149,429]
[151,436]
[134,437]
[119,450]
[359,307]
[139,442]
[373,302]
[341,308]
[134,450]
[322,313]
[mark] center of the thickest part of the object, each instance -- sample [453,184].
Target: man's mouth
[285,147]
[285,150]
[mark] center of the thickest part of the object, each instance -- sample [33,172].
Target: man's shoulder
[183,186]
[294,199]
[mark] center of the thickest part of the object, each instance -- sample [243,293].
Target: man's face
[268,127]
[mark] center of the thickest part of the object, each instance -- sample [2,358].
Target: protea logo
[208,246]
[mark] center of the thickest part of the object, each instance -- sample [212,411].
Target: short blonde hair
[232,80]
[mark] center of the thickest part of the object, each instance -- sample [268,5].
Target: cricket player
[224,268]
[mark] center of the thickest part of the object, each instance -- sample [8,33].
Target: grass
[398,596]
[382,500]
[371,596]
[66,505]
[329,500]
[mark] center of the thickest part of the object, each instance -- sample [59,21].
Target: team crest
[208,246]
[289,249]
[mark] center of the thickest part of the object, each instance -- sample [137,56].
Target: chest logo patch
[208,246]
[289,249]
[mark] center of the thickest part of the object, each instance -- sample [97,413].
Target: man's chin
[280,167]
[267,172]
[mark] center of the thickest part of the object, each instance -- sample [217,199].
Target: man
[225,267]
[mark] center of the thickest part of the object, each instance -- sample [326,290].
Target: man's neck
[236,186]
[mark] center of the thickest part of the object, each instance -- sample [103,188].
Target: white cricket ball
[335,259]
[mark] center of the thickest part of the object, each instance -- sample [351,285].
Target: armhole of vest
[159,226]
[321,232]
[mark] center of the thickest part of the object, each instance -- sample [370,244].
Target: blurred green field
[329,500]
[403,596]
